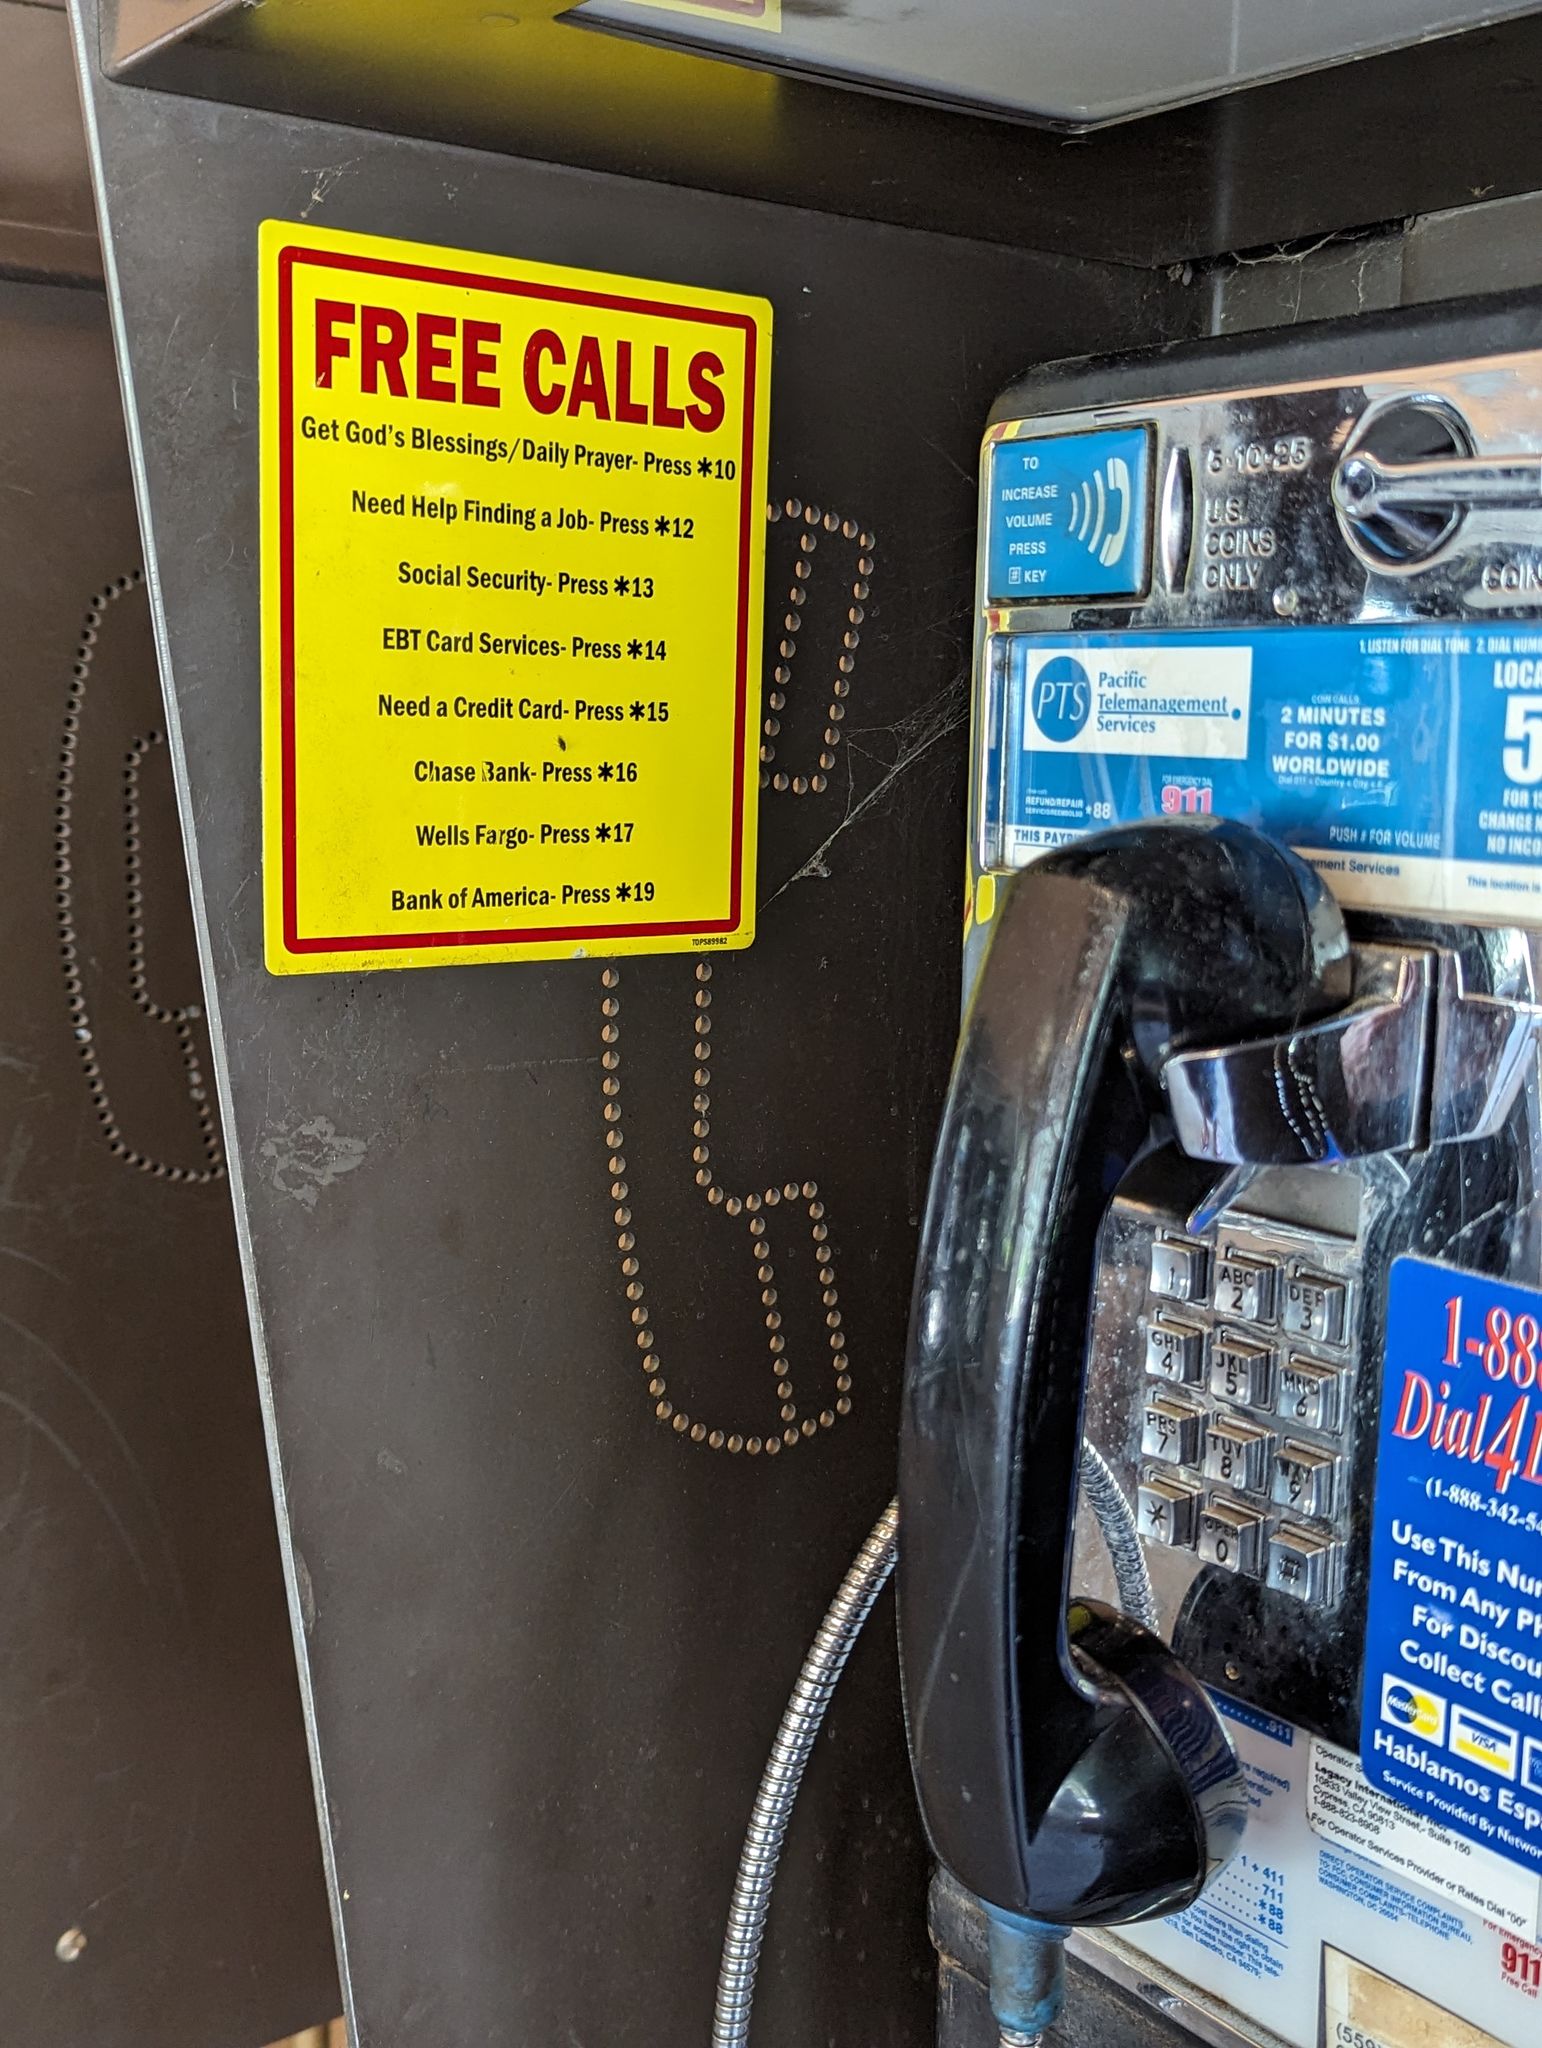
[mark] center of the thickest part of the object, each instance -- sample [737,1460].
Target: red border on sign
[378,266]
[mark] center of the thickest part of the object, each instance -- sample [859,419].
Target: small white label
[1191,702]
[1344,1807]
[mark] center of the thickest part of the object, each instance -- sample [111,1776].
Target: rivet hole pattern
[754,1208]
[814,525]
[181,1019]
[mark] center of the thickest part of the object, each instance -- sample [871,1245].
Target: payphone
[1269,1153]
[1220,1503]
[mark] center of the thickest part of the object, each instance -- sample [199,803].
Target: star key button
[1166,1510]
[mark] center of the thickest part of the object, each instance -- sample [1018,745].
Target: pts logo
[1060,699]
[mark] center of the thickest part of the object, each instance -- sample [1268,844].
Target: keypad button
[1237,1453]
[1311,1394]
[1167,1510]
[1241,1370]
[1175,1350]
[1231,1536]
[1170,1430]
[1314,1307]
[1179,1269]
[1306,1479]
[1303,1563]
[1245,1288]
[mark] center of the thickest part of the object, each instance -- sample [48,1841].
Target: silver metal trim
[1207,2019]
[1350,1084]
[92,82]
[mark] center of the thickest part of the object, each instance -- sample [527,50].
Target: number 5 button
[1240,1370]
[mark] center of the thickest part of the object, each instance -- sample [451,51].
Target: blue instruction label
[1451,1720]
[1405,761]
[1069,515]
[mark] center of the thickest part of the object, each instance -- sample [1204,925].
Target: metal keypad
[1246,1342]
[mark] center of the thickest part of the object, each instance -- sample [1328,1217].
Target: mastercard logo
[1412,1709]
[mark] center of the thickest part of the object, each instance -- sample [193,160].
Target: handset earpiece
[1069,1769]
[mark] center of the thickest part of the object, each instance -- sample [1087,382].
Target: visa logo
[1484,1742]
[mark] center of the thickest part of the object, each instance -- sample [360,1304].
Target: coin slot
[1402,537]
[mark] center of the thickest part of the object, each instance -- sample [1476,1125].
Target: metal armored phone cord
[805,1714]
[784,1774]
[1116,1522]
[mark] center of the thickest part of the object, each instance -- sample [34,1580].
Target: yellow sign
[513,539]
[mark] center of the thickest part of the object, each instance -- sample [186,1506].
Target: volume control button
[1175,520]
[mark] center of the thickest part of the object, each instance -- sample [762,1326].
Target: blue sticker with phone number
[1451,1719]
[1407,761]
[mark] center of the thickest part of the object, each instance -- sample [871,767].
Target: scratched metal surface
[154,1797]
[548,1637]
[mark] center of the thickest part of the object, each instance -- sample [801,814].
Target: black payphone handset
[1070,1769]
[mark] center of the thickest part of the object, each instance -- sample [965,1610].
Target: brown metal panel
[162,1873]
[548,1627]
[47,221]
[1296,158]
